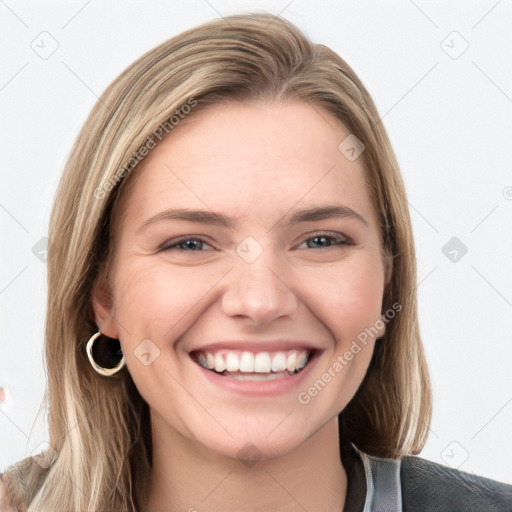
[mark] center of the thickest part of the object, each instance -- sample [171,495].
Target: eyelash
[332,237]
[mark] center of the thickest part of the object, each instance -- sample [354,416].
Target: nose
[259,291]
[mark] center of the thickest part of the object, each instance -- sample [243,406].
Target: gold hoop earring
[107,370]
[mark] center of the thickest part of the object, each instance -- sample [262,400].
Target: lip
[256,346]
[268,388]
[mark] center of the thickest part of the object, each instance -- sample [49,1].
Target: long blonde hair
[99,427]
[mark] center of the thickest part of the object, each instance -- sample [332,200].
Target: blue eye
[185,244]
[321,241]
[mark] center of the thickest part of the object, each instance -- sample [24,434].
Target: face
[247,265]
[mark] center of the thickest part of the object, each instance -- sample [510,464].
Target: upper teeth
[250,362]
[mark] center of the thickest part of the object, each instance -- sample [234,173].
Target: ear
[388,270]
[388,274]
[101,298]
[382,331]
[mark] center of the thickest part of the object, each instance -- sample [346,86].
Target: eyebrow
[211,218]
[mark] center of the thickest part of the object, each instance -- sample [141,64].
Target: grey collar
[373,483]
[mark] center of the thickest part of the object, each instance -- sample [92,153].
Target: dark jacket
[413,484]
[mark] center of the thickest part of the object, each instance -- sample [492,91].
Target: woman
[232,317]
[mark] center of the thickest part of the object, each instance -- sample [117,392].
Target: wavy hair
[99,431]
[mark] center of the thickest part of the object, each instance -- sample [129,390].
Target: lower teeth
[255,376]
[259,376]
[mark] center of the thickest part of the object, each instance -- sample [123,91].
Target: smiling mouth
[254,366]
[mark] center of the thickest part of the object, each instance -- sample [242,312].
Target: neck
[188,477]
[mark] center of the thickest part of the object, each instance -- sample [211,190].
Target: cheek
[157,301]
[361,297]
[349,305]
[148,293]
[359,313]
[349,298]
[154,303]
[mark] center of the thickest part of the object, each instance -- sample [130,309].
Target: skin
[257,163]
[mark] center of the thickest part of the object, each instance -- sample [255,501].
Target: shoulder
[7,498]
[429,486]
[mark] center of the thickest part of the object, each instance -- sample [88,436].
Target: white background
[450,123]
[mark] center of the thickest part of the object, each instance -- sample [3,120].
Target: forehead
[251,159]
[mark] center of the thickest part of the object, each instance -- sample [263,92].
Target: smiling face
[247,263]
